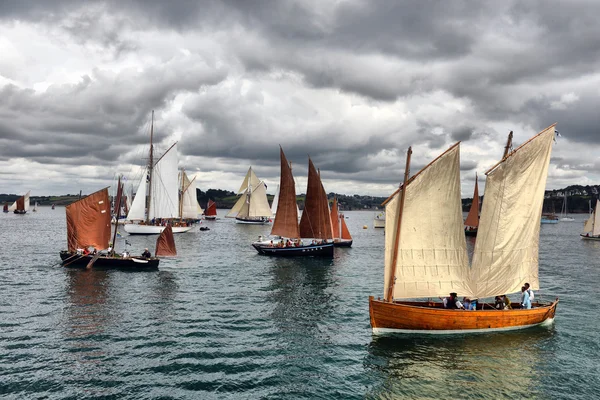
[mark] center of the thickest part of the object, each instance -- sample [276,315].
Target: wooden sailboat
[313,235]
[591,229]
[211,210]
[425,247]
[564,211]
[472,221]
[88,224]
[156,201]
[253,206]
[21,205]
[341,234]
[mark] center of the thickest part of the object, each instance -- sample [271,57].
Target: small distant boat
[472,221]
[94,230]
[53,206]
[379,220]
[211,210]
[35,207]
[5,209]
[341,234]
[253,206]
[549,219]
[564,211]
[21,205]
[313,235]
[591,229]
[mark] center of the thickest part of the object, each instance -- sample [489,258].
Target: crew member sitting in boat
[507,303]
[146,253]
[452,302]
[499,304]
[468,304]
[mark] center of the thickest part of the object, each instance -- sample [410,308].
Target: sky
[352,83]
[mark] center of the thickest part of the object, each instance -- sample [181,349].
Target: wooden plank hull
[71,260]
[432,318]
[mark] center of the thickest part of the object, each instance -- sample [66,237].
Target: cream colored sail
[27,200]
[506,250]
[275,202]
[259,204]
[237,207]
[596,225]
[250,182]
[432,252]
[589,223]
[189,202]
[137,211]
[165,187]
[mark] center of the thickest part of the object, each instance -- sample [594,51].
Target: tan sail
[506,251]
[596,224]
[432,256]
[315,221]
[88,222]
[165,244]
[473,216]
[286,217]
[335,220]
[250,182]
[237,207]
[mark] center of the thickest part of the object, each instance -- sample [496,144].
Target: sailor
[525,299]
[529,291]
[452,302]
[146,253]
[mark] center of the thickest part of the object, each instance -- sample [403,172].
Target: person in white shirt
[530,292]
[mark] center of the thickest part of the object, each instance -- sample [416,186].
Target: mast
[508,144]
[118,208]
[398,224]
[150,165]
[182,193]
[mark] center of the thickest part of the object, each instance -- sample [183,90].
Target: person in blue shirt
[526,300]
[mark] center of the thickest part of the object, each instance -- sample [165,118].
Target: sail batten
[506,250]
[286,218]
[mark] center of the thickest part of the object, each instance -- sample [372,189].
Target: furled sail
[137,211]
[506,250]
[473,216]
[286,218]
[315,221]
[432,257]
[165,190]
[88,222]
[165,244]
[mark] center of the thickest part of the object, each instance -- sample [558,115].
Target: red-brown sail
[473,216]
[88,222]
[5,209]
[345,232]
[286,218]
[211,209]
[165,244]
[335,219]
[20,204]
[316,221]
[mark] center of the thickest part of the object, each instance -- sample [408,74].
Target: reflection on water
[503,365]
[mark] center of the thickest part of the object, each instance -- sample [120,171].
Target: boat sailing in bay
[89,226]
[211,210]
[253,206]
[591,228]
[313,236]
[564,212]
[156,202]
[425,246]
[21,205]
[341,234]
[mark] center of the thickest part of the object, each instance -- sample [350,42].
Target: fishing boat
[211,210]
[5,208]
[341,234]
[591,228]
[253,206]
[88,225]
[313,235]
[156,202]
[472,221]
[425,246]
[564,211]
[21,205]
[379,220]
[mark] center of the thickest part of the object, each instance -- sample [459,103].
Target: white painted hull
[137,229]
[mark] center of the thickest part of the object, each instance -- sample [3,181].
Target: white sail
[259,204]
[13,206]
[189,203]
[506,250]
[165,191]
[275,202]
[137,211]
[250,182]
[596,225]
[27,200]
[432,256]
[237,207]
[588,227]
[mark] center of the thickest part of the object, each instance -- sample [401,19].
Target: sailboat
[5,209]
[472,221]
[35,207]
[211,210]
[591,228]
[341,234]
[253,206]
[564,211]
[88,224]
[189,209]
[379,220]
[53,206]
[21,205]
[425,245]
[156,201]
[313,235]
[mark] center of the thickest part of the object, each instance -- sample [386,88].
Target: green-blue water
[220,321]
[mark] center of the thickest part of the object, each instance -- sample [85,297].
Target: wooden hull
[470,232]
[318,250]
[138,229]
[342,242]
[590,237]
[418,317]
[70,260]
